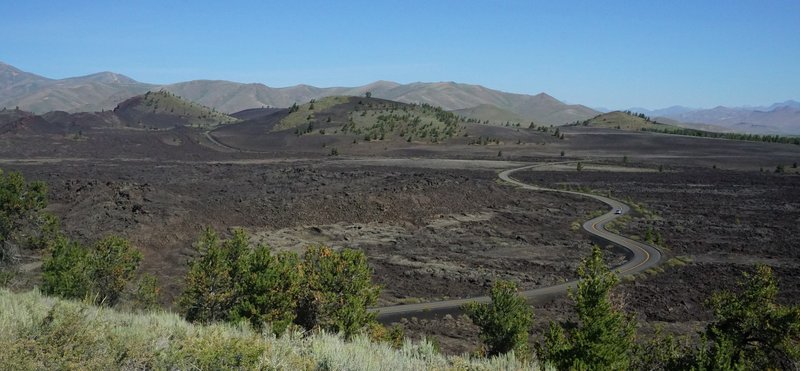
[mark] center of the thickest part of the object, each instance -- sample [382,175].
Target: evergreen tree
[504,322]
[21,213]
[750,329]
[65,271]
[102,271]
[210,283]
[269,289]
[112,265]
[603,338]
[338,290]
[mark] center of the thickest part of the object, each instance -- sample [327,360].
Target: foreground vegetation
[246,307]
[38,333]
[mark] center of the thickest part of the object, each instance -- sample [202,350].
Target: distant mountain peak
[106,77]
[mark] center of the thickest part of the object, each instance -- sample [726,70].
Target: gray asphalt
[641,257]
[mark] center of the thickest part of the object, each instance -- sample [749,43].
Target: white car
[618,211]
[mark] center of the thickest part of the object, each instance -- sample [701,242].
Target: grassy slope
[374,118]
[624,121]
[156,109]
[301,116]
[491,113]
[38,332]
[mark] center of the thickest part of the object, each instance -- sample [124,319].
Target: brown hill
[104,90]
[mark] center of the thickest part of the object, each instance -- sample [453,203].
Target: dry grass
[38,332]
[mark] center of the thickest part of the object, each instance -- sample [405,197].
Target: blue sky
[614,54]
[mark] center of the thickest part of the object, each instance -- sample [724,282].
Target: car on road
[618,211]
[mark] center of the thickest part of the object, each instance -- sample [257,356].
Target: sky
[611,54]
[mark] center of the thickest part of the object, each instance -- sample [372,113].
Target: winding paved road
[642,256]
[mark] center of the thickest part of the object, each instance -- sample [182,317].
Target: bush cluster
[325,289]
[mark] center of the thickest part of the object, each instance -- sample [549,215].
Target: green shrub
[66,271]
[112,265]
[750,330]
[504,322]
[327,290]
[337,291]
[38,332]
[148,293]
[268,290]
[74,272]
[210,290]
[21,213]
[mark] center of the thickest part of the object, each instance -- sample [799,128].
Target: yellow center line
[647,254]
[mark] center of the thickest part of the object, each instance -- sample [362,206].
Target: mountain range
[103,91]
[778,118]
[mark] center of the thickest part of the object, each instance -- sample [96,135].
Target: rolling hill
[162,110]
[341,120]
[150,111]
[625,120]
[102,91]
[39,94]
[490,113]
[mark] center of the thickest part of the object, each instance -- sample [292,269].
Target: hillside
[104,90]
[163,110]
[231,97]
[625,120]
[373,119]
[490,113]
[13,121]
[86,93]
[39,332]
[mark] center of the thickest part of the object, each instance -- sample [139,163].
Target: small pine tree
[338,291]
[65,271]
[148,293]
[604,337]
[21,212]
[102,271]
[579,166]
[750,329]
[210,283]
[505,322]
[268,290]
[112,265]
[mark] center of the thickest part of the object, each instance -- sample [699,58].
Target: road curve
[642,256]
